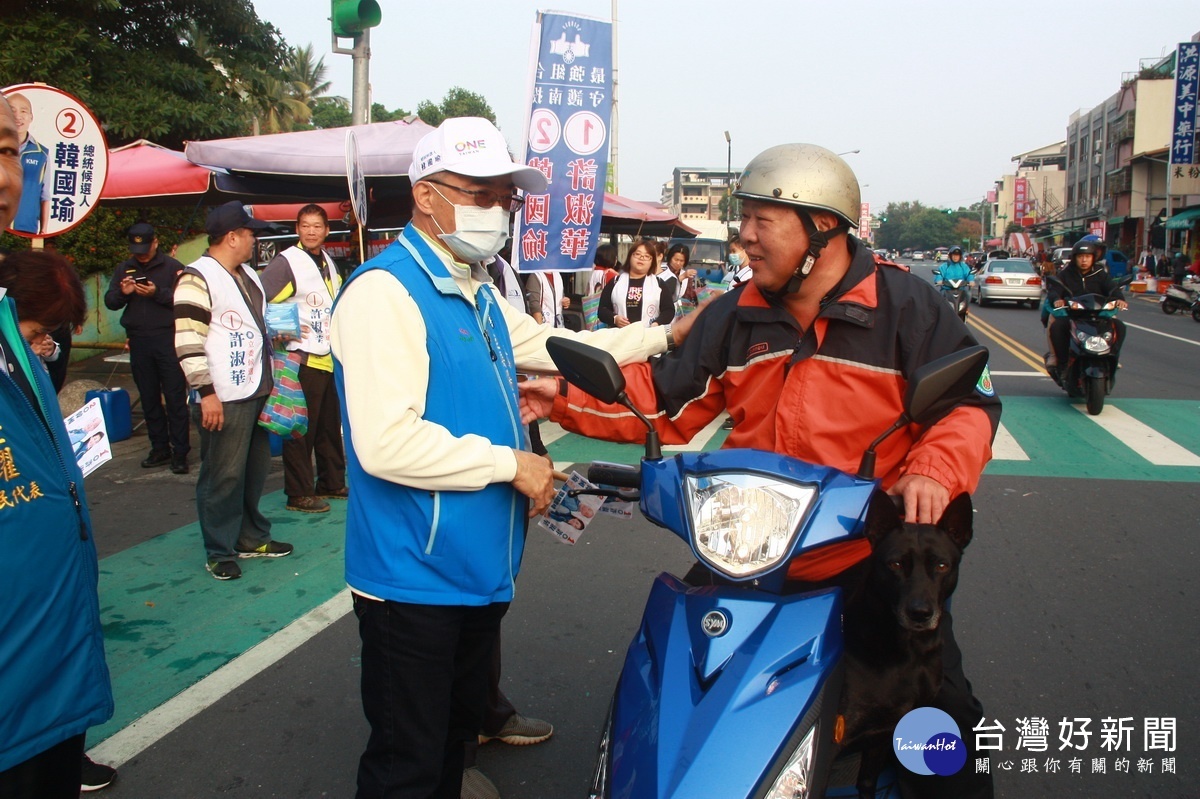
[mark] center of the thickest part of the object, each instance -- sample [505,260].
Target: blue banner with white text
[567,140]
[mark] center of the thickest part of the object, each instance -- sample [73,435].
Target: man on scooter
[810,358]
[1082,275]
[955,269]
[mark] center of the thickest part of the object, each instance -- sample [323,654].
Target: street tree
[458,102]
[131,63]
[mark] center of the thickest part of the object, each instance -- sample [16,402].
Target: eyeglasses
[486,198]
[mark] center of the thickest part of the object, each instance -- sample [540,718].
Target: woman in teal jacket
[54,683]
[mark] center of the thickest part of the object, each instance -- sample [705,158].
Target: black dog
[893,645]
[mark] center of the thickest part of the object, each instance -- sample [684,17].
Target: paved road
[1073,604]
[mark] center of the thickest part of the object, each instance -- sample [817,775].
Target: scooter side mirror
[933,390]
[592,369]
[596,372]
[941,384]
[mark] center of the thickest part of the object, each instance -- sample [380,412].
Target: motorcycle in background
[954,292]
[1185,297]
[732,689]
[1091,367]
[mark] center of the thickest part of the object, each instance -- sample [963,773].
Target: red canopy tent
[623,215]
[145,174]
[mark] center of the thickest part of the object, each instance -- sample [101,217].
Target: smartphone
[141,279]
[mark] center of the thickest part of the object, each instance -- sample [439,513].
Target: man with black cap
[222,343]
[144,285]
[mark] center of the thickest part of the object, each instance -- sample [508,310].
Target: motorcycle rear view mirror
[595,371]
[933,390]
[589,368]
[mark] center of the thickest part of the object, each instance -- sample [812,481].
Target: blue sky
[938,96]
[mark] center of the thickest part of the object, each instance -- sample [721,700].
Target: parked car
[1062,255]
[1010,279]
[1118,263]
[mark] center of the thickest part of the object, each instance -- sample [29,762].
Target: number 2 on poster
[544,130]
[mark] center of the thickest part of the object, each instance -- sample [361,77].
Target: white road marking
[1142,439]
[1005,447]
[1165,335]
[150,728]
[551,431]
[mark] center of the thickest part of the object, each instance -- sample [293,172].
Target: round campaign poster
[64,159]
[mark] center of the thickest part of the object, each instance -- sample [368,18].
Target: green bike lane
[168,624]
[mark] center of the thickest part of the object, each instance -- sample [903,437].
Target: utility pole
[353,19]
[615,114]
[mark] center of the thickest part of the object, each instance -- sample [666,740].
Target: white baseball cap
[471,146]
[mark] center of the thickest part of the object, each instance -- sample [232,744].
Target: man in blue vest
[426,353]
[54,683]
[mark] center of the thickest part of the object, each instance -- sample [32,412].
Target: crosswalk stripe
[551,431]
[1006,448]
[1142,439]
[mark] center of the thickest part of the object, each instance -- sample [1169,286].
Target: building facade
[695,193]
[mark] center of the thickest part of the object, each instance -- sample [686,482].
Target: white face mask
[479,233]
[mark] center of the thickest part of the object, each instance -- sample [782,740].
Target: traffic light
[352,17]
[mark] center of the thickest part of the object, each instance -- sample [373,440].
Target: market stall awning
[385,148]
[1180,221]
[622,215]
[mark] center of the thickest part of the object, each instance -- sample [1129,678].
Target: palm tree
[306,78]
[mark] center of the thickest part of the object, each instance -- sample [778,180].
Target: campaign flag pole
[567,139]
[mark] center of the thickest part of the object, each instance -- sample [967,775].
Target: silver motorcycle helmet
[809,178]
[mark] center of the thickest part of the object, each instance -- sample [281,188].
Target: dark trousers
[234,462]
[53,774]
[424,686]
[324,438]
[157,375]
[496,712]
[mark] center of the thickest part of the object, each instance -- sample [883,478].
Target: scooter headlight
[796,779]
[1110,306]
[1096,344]
[743,524]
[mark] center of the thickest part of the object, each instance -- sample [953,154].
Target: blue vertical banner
[567,140]
[1185,166]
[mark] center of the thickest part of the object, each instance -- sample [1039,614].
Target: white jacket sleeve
[632,344]
[378,336]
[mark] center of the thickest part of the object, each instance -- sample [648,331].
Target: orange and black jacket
[822,394]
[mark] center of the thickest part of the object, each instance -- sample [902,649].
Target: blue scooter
[732,689]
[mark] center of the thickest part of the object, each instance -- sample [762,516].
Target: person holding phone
[144,285]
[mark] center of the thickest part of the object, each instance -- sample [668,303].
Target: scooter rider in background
[955,268]
[820,326]
[1084,274]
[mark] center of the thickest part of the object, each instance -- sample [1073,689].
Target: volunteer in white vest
[223,348]
[636,296]
[546,298]
[305,276]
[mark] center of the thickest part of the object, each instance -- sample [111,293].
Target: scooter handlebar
[621,475]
